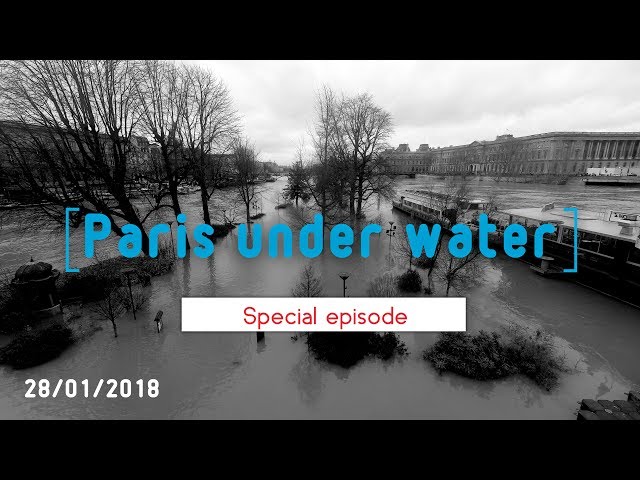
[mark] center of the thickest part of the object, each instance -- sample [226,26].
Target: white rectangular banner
[324,314]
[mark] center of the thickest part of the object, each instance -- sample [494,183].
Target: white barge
[608,245]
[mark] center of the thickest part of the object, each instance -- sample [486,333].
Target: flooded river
[212,375]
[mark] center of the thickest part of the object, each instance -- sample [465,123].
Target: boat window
[634,256]
[607,246]
[588,241]
[567,236]
[530,226]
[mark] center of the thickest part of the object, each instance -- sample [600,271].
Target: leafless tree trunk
[209,123]
[162,93]
[246,169]
[309,284]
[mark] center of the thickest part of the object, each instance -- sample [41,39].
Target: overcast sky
[436,102]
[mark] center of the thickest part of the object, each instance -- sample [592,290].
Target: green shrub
[410,281]
[489,356]
[36,347]
[347,349]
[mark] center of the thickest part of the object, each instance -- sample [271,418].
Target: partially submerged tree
[112,305]
[162,94]
[309,283]
[244,161]
[295,189]
[458,271]
[360,134]
[209,124]
[324,178]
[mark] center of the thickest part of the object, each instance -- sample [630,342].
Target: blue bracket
[67,268]
[575,240]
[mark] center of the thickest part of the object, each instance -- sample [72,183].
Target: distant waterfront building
[18,136]
[560,153]
[402,161]
[556,153]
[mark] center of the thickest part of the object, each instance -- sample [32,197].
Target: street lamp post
[344,276]
[391,232]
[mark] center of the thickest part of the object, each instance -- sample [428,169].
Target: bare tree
[71,139]
[162,96]
[457,271]
[385,285]
[209,123]
[324,176]
[309,284]
[362,131]
[402,247]
[112,305]
[246,168]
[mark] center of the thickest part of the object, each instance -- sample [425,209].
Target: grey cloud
[437,102]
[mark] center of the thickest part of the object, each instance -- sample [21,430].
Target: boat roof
[588,221]
[419,193]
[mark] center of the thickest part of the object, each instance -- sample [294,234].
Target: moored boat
[608,247]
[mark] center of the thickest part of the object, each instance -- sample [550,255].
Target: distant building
[402,161]
[25,137]
[556,153]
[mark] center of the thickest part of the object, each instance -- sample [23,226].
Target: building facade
[556,153]
[15,135]
[402,161]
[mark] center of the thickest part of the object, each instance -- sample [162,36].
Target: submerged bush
[347,349]
[424,262]
[410,281]
[36,346]
[490,356]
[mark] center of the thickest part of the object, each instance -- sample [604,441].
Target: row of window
[587,241]
[538,167]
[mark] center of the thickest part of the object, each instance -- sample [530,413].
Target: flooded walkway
[212,375]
